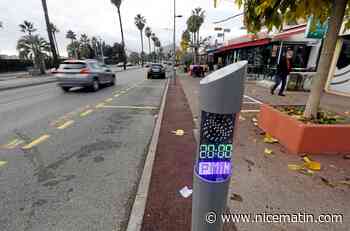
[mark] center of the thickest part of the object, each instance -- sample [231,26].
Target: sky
[100,18]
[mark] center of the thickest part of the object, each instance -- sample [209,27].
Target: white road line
[249,111]
[252,99]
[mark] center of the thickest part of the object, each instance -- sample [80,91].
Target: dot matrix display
[215,150]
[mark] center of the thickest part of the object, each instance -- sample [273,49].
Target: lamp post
[174,40]
[101,48]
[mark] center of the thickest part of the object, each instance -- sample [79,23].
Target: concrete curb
[138,208]
[27,85]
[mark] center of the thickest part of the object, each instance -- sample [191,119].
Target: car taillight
[84,71]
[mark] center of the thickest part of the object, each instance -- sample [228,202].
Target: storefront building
[263,51]
[339,74]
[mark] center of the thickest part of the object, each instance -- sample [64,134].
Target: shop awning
[287,33]
[258,42]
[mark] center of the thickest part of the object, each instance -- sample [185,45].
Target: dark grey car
[83,73]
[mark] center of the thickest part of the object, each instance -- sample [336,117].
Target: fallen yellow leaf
[269,139]
[313,165]
[268,151]
[294,167]
[306,159]
[179,132]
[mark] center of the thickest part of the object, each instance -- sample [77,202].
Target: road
[71,161]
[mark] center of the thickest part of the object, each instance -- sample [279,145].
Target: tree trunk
[149,45]
[49,32]
[122,33]
[319,81]
[56,45]
[141,48]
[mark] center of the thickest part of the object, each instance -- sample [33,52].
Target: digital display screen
[215,149]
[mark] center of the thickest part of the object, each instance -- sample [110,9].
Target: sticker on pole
[215,149]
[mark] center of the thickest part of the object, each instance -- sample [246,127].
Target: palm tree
[158,45]
[140,23]
[148,33]
[117,3]
[94,45]
[154,39]
[27,27]
[73,37]
[35,48]
[50,34]
[85,46]
[194,23]
[55,30]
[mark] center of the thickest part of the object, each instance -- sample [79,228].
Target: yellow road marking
[85,113]
[36,142]
[100,105]
[14,143]
[66,125]
[2,163]
[132,107]
[122,92]
[117,95]
[109,100]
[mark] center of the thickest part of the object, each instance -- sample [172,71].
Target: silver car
[83,73]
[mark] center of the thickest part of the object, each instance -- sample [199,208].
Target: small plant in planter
[323,116]
[328,133]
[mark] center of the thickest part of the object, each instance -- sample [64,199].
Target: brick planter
[300,138]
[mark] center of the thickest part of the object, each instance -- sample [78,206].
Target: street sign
[220,35]
[319,30]
[221,95]
[227,30]
[217,29]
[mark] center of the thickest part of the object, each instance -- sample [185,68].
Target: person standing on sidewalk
[283,69]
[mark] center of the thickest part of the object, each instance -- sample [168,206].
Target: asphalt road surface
[72,161]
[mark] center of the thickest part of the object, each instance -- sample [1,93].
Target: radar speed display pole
[221,95]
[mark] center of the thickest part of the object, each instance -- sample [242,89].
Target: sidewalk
[25,82]
[263,183]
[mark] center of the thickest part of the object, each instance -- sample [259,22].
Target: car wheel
[65,89]
[113,81]
[95,85]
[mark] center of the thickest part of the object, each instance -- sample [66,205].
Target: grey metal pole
[221,95]
[101,48]
[174,40]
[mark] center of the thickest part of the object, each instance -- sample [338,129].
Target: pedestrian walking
[283,69]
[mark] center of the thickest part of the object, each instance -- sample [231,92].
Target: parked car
[106,67]
[129,64]
[156,71]
[83,73]
[120,64]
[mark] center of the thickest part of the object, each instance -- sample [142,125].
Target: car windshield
[72,66]
[157,66]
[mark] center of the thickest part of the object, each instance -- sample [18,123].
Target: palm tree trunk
[49,32]
[122,33]
[319,81]
[141,48]
[56,45]
[149,45]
